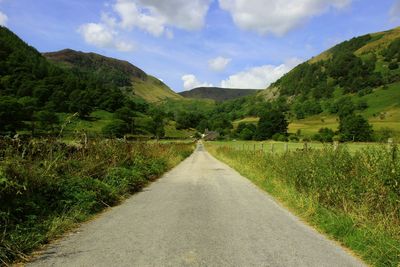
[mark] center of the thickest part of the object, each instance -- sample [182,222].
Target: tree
[246,131]
[10,115]
[47,119]
[271,123]
[343,107]
[127,115]
[81,102]
[116,128]
[29,107]
[157,125]
[355,128]
[324,135]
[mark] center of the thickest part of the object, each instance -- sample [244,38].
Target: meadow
[351,194]
[277,147]
[47,187]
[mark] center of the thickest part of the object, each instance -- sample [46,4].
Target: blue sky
[229,43]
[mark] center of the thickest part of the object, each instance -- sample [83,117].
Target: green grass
[153,90]
[279,147]
[97,120]
[351,197]
[47,187]
[383,112]
[172,132]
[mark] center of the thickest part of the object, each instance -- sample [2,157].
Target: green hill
[217,94]
[364,69]
[134,80]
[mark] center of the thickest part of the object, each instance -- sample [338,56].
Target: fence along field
[351,193]
[283,147]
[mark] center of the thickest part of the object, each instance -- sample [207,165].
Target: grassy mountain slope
[217,94]
[365,69]
[134,80]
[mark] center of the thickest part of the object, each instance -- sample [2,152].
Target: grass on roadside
[47,187]
[352,197]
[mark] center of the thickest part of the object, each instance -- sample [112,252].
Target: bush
[279,137]
[116,128]
[36,196]
[324,135]
[355,128]
[393,65]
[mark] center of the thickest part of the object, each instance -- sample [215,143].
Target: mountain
[368,61]
[134,80]
[361,74]
[217,94]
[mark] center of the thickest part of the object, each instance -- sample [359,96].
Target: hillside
[364,69]
[217,94]
[29,84]
[134,80]
[368,61]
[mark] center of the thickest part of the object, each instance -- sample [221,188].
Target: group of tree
[33,88]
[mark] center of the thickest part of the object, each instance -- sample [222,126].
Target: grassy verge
[353,198]
[47,187]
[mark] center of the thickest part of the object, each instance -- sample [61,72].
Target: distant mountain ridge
[92,61]
[134,80]
[217,93]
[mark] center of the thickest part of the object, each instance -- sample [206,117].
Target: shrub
[324,135]
[279,137]
[116,128]
[45,185]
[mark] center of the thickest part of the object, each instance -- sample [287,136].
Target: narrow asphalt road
[202,213]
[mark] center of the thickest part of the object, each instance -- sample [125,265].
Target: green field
[351,195]
[100,118]
[279,147]
[383,113]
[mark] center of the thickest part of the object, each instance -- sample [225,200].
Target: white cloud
[3,19]
[103,36]
[259,77]
[276,16]
[131,17]
[190,81]
[395,11]
[218,63]
[97,34]
[183,14]
[154,16]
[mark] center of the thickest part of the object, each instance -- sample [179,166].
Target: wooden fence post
[305,146]
[390,143]
[272,148]
[335,145]
[262,147]
[286,147]
[392,148]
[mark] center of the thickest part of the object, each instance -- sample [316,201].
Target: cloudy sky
[190,43]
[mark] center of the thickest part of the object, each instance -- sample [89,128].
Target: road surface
[202,213]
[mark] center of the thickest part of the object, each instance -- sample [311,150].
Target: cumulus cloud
[259,77]
[3,19]
[190,81]
[154,16]
[103,36]
[276,16]
[218,63]
[395,11]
